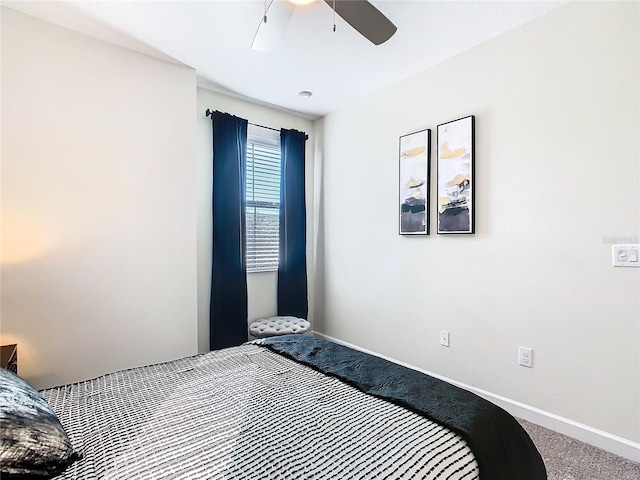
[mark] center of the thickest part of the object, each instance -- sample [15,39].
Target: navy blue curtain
[292,269]
[228,314]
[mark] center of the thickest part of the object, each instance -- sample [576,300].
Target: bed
[289,407]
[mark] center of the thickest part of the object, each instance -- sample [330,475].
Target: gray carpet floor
[570,459]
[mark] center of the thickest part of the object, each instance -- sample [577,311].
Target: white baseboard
[598,438]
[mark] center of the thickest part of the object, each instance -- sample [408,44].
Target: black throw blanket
[503,450]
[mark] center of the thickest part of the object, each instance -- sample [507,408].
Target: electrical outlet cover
[525,357]
[626,255]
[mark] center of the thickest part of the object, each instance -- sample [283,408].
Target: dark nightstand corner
[9,358]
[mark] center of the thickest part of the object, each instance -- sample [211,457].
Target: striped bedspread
[248,413]
[501,447]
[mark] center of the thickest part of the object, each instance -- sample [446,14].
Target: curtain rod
[209,113]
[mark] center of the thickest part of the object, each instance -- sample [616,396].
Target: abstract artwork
[456,158]
[415,155]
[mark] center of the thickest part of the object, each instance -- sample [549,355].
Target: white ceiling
[215,37]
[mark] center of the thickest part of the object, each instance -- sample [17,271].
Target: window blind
[263,205]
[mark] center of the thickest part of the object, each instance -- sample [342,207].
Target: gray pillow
[33,443]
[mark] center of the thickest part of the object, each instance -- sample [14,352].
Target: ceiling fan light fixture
[361,15]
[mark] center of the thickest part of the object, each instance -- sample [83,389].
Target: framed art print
[456,183]
[414,159]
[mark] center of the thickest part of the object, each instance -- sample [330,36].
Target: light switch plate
[625,255]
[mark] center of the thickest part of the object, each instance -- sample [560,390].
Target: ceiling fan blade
[269,35]
[366,19]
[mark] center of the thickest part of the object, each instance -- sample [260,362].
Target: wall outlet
[444,338]
[626,255]
[525,357]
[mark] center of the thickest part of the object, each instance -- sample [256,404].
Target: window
[263,204]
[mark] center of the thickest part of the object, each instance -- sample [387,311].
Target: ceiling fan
[360,14]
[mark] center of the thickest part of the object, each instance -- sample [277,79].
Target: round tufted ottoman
[270,327]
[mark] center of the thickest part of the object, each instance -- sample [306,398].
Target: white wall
[98,204]
[261,287]
[557,119]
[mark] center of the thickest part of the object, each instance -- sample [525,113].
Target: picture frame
[456,176]
[414,160]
